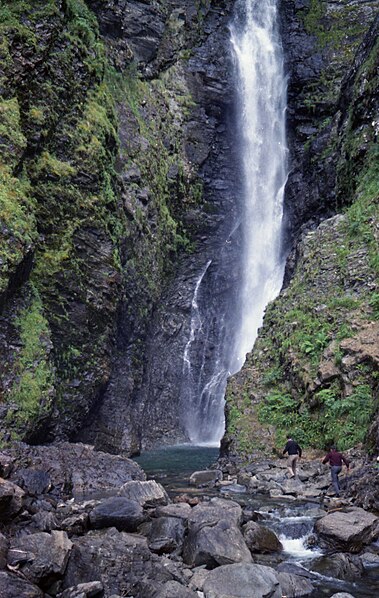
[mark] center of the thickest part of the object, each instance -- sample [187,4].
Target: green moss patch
[33,389]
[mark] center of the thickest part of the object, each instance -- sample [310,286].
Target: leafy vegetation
[336,420]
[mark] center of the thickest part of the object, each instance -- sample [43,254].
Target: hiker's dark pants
[335,470]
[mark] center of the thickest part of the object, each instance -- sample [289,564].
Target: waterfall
[195,326]
[261,87]
[212,352]
[202,410]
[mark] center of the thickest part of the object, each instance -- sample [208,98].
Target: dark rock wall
[60,276]
[192,65]
[314,368]
[320,41]
[117,187]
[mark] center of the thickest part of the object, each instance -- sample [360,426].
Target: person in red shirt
[335,459]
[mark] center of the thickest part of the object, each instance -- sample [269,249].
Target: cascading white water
[203,417]
[209,356]
[196,323]
[262,98]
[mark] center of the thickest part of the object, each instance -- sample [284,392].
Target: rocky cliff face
[119,186]
[60,269]
[314,368]
[117,174]
[189,67]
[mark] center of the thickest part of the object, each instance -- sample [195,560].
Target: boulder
[11,498]
[121,561]
[119,512]
[294,586]
[214,536]
[218,543]
[370,559]
[292,486]
[347,531]
[76,524]
[242,581]
[41,557]
[45,521]
[339,565]
[233,489]
[33,481]
[173,589]
[260,539]
[76,468]
[147,494]
[179,510]
[12,586]
[3,551]
[166,534]
[213,511]
[342,595]
[92,589]
[208,477]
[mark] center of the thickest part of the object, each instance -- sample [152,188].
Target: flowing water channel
[292,522]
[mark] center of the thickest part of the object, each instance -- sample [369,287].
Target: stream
[291,521]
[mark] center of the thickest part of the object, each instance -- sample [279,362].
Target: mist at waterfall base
[216,349]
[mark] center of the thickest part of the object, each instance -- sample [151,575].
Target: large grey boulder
[294,586]
[207,477]
[92,589]
[242,581]
[11,499]
[181,510]
[121,561]
[12,586]
[214,536]
[3,551]
[292,486]
[73,468]
[216,544]
[147,494]
[209,513]
[119,512]
[173,589]
[339,565]
[348,531]
[260,539]
[41,557]
[166,534]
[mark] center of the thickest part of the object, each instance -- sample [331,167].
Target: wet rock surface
[57,545]
[350,530]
